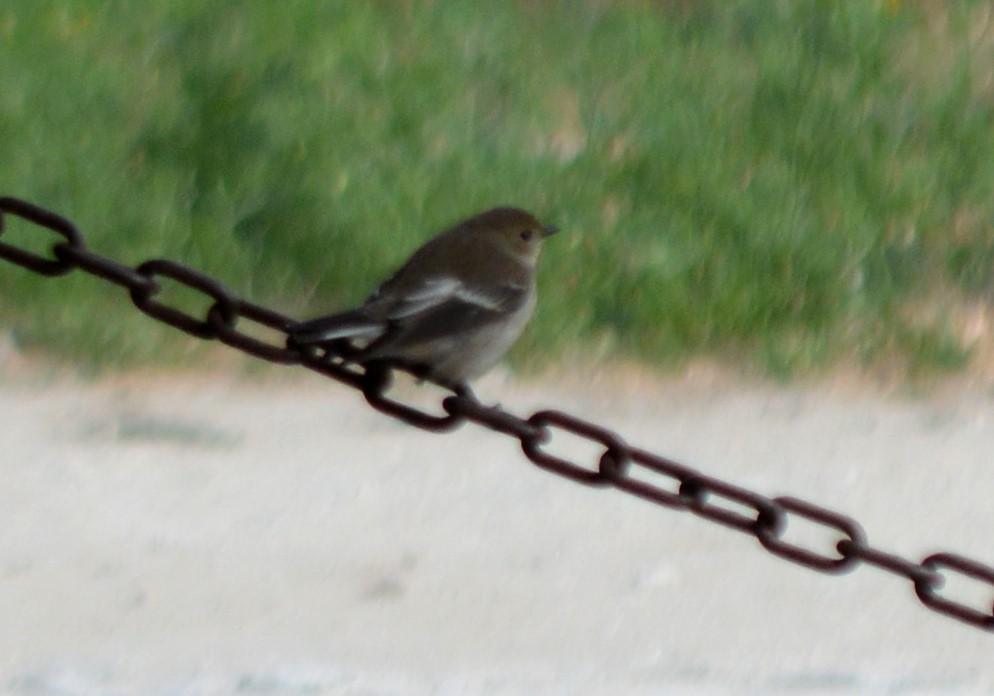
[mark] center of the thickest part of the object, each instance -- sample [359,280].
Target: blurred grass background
[786,186]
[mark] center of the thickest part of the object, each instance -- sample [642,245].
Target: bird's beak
[549,229]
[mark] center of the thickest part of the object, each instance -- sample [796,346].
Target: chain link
[144,297]
[43,218]
[615,453]
[635,471]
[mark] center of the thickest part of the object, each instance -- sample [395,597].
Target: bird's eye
[526,235]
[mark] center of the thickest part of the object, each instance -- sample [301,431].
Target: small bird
[455,306]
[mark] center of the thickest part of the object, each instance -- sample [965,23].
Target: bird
[452,310]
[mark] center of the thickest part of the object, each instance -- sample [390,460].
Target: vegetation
[786,185]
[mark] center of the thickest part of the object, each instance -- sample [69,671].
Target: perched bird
[453,309]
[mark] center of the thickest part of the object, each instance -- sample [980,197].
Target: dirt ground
[203,534]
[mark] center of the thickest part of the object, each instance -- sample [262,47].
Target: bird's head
[512,230]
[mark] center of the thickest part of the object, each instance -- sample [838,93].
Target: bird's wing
[443,291]
[445,310]
[399,304]
[437,307]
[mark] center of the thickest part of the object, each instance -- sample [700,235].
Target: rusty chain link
[618,465]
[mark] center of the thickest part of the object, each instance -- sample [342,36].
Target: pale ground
[197,534]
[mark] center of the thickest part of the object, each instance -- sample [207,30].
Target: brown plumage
[454,308]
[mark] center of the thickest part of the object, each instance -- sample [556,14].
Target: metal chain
[618,466]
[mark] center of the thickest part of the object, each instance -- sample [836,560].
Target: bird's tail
[353,325]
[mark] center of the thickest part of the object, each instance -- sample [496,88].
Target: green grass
[785,185]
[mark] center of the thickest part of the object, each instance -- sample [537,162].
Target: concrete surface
[194,534]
